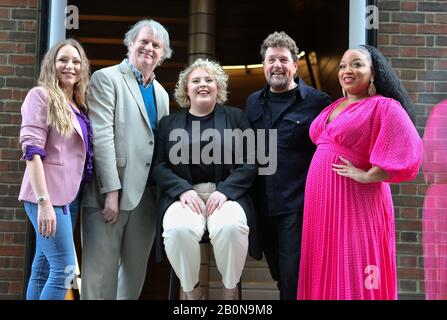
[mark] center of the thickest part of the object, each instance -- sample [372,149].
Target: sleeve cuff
[31,151]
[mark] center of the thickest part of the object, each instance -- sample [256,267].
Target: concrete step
[249,274]
[216,294]
[248,285]
[249,263]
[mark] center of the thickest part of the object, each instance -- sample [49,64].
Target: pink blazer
[65,156]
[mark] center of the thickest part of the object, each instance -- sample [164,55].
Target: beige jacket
[123,141]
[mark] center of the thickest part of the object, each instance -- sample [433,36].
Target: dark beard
[279,85]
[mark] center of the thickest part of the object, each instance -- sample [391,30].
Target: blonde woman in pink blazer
[56,141]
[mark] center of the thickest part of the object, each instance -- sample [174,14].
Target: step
[248,285]
[216,294]
[248,274]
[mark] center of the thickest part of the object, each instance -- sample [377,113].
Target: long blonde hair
[59,115]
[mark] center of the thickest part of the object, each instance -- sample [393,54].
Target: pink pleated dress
[348,244]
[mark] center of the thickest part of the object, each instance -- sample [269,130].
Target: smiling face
[279,69]
[68,66]
[355,73]
[202,89]
[146,51]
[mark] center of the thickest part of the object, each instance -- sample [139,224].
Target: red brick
[15,287]
[390,28]
[32,3]
[441,64]
[407,261]
[29,25]
[409,28]
[432,29]
[8,47]
[11,274]
[441,18]
[432,52]
[422,189]
[390,51]
[11,226]
[408,52]
[408,6]
[384,39]
[4,13]
[13,3]
[10,177]
[410,273]
[408,189]
[408,75]
[409,225]
[5,94]
[22,60]
[16,251]
[6,71]
[407,285]
[10,154]
[17,263]
[408,40]
[408,213]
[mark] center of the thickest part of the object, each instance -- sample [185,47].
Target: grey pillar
[202,29]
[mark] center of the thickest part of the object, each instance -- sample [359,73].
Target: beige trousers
[228,232]
[115,256]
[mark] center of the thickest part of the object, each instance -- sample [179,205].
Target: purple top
[86,129]
[31,151]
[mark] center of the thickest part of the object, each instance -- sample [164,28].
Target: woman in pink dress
[365,140]
[434,216]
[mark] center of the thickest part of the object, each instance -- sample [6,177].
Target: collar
[139,75]
[301,92]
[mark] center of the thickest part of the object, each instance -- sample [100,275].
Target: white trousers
[228,232]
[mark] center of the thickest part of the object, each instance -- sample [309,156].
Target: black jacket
[233,180]
[283,192]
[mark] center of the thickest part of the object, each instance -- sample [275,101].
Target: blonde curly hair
[214,69]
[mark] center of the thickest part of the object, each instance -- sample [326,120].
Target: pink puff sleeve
[395,145]
[34,128]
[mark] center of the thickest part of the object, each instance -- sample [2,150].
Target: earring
[371,88]
[344,92]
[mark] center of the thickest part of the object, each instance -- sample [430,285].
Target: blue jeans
[54,263]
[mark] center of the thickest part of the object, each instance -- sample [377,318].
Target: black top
[232,179]
[278,102]
[200,172]
[283,191]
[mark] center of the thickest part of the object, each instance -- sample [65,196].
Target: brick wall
[413,35]
[18,30]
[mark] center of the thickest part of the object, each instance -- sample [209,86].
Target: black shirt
[200,172]
[283,191]
[278,102]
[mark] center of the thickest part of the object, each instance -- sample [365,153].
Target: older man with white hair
[119,206]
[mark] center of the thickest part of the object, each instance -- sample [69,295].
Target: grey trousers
[114,257]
